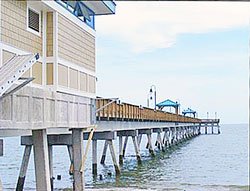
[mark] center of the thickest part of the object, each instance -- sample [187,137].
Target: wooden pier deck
[123,121]
[114,110]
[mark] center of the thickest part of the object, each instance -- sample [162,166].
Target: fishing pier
[122,121]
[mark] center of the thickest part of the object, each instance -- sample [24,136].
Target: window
[33,21]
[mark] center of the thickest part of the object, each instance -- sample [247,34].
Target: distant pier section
[210,123]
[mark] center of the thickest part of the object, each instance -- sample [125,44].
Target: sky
[196,53]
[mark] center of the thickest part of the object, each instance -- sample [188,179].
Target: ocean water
[207,162]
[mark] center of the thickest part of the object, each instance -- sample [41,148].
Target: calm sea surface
[207,162]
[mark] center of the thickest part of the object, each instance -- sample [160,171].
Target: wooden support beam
[160,143]
[94,157]
[104,152]
[138,156]
[77,145]
[144,131]
[1,147]
[120,150]
[51,166]
[185,133]
[105,135]
[173,134]
[218,130]
[139,138]
[169,138]
[124,146]
[41,160]
[176,135]
[181,134]
[70,151]
[189,132]
[157,130]
[150,147]
[112,152]
[165,139]
[199,129]
[62,139]
[24,167]
[127,133]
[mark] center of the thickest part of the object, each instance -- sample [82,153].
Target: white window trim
[27,20]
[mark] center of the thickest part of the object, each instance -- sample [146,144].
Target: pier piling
[41,160]
[94,157]
[112,152]
[70,151]
[137,152]
[77,145]
[24,167]
[51,166]
[120,151]
[124,146]
[139,138]
[105,147]
[150,147]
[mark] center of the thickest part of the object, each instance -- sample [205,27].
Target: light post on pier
[153,88]
[148,97]
[215,114]
[207,115]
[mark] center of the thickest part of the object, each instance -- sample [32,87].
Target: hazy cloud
[146,26]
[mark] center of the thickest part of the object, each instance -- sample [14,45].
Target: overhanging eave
[101,7]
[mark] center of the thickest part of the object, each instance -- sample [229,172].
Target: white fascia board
[57,7]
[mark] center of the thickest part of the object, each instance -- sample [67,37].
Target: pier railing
[210,120]
[125,111]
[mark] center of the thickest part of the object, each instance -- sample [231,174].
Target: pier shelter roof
[167,103]
[187,111]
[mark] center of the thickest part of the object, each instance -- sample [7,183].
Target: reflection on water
[207,162]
